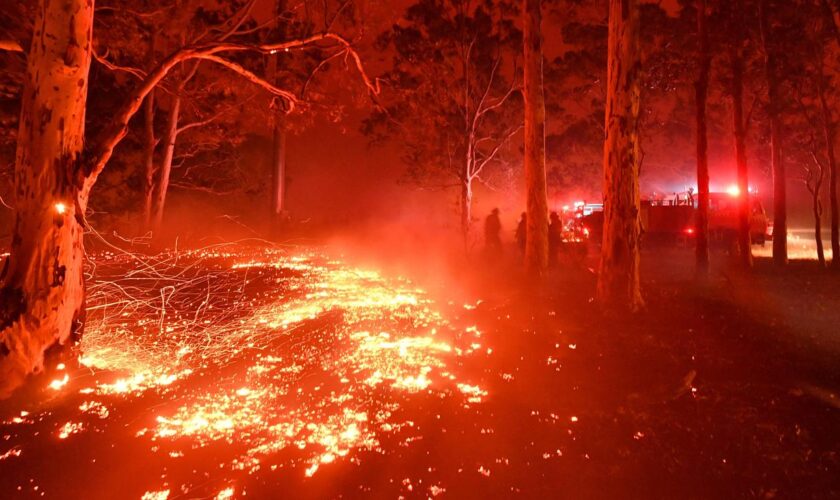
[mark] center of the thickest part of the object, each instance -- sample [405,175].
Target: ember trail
[271,359]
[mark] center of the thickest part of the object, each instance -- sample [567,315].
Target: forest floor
[266,372]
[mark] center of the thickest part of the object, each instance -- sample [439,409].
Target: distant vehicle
[672,220]
[723,218]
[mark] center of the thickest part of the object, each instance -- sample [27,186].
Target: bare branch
[235,23]
[136,13]
[203,189]
[317,69]
[207,120]
[252,77]
[490,81]
[101,59]
[495,150]
[112,135]
[335,17]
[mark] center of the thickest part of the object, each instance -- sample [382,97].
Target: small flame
[60,208]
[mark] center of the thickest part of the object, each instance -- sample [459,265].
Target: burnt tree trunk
[701,89]
[780,254]
[740,132]
[618,281]
[536,240]
[42,294]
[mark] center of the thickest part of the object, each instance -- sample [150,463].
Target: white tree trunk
[166,162]
[466,209]
[42,295]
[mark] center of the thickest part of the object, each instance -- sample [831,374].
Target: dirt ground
[724,389]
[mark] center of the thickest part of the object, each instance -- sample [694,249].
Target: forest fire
[290,366]
[332,249]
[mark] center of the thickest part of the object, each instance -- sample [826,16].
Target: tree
[774,102]
[830,26]
[42,292]
[452,129]
[43,289]
[829,137]
[701,94]
[575,95]
[618,281]
[278,136]
[739,131]
[536,242]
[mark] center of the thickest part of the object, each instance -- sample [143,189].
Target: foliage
[451,97]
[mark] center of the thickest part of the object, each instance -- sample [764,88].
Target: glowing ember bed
[203,367]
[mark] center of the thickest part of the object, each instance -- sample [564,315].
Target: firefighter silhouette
[493,232]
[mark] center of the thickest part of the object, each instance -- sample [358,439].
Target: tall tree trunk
[278,133]
[149,159]
[42,294]
[618,281]
[780,254]
[739,130]
[165,173]
[278,170]
[536,240]
[149,144]
[817,209]
[828,129]
[701,89]
[829,136]
[466,208]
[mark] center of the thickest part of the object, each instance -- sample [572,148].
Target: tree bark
[780,254]
[162,187]
[536,240]
[149,145]
[42,294]
[829,137]
[701,89]
[828,131]
[466,208]
[278,135]
[739,130]
[172,131]
[817,209]
[618,281]
[278,171]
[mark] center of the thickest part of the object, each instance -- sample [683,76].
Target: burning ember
[255,358]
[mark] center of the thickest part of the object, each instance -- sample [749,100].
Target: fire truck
[671,220]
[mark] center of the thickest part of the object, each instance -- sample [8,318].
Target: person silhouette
[492,232]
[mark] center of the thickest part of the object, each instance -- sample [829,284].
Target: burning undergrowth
[253,354]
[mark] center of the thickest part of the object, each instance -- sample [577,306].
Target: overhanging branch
[112,135]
